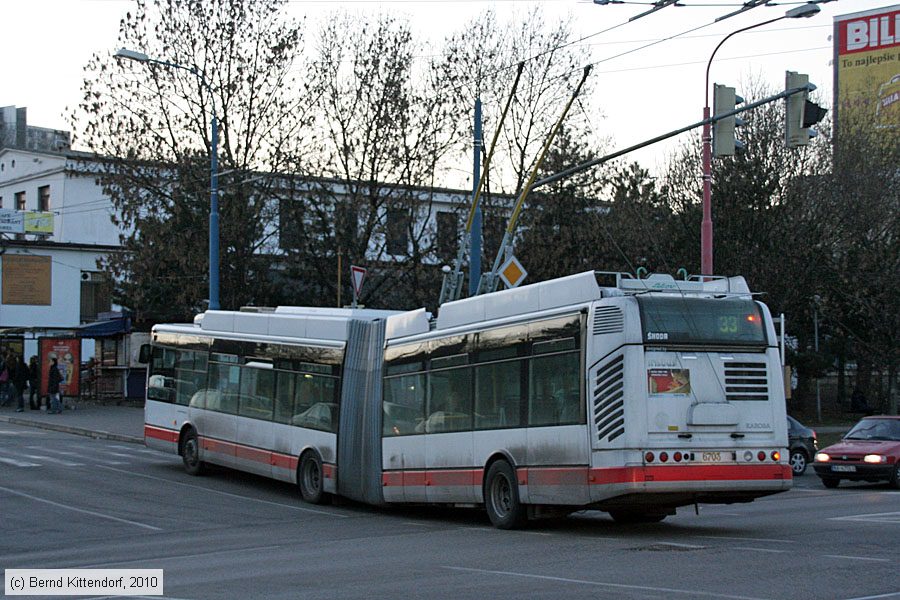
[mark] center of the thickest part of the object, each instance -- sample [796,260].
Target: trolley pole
[475,251]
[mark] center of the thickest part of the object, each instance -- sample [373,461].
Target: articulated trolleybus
[594,391]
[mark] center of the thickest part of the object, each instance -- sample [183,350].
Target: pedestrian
[19,377]
[34,378]
[54,377]
[4,379]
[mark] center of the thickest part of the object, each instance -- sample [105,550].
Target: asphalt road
[73,502]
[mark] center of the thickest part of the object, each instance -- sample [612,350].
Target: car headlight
[875,458]
[822,457]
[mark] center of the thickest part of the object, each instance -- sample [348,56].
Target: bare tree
[150,124]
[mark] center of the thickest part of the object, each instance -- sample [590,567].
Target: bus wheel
[309,478]
[501,497]
[190,453]
[628,516]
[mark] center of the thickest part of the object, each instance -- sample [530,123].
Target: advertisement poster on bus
[67,352]
[669,381]
[867,67]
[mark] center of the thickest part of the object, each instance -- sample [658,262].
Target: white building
[50,279]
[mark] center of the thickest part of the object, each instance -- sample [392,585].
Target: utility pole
[475,251]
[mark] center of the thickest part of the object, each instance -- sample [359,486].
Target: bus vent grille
[746,381]
[609,400]
[608,319]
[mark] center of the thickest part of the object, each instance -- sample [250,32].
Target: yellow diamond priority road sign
[512,272]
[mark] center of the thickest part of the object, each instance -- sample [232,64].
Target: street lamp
[817,300]
[213,169]
[706,228]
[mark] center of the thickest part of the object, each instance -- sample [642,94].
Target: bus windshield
[675,320]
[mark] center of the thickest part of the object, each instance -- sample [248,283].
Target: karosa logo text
[657,336]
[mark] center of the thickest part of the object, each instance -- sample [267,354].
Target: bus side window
[554,396]
[284,396]
[404,404]
[449,401]
[161,384]
[498,395]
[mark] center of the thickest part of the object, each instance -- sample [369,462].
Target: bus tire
[310,479]
[190,453]
[501,497]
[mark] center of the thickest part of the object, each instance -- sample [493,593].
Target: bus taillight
[677,457]
[761,455]
[776,455]
[663,456]
[648,457]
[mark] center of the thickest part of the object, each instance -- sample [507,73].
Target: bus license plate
[843,469]
[712,457]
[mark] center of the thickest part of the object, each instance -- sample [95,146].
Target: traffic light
[800,113]
[724,142]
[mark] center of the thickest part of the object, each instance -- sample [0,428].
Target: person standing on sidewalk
[34,378]
[54,378]
[19,378]
[4,378]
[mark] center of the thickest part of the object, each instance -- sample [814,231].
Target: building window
[44,198]
[447,230]
[95,295]
[397,231]
[20,200]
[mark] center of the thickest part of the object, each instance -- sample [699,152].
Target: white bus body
[635,398]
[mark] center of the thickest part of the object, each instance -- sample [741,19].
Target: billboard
[67,352]
[26,279]
[867,67]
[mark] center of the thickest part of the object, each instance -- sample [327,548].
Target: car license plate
[843,469]
[713,457]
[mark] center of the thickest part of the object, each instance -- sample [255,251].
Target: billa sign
[867,66]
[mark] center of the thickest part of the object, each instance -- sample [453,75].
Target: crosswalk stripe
[56,461]
[18,463]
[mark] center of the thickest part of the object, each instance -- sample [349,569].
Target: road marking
[679,545]
[889,517]
[744,539]
[178,557]
[856,558]
[200,487]
[55,461]
[120,454]
[61,452]
[18,463]
[769,550]
[888,595]
[80,510]
[620,586]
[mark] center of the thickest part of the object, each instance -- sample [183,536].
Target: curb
[99,435]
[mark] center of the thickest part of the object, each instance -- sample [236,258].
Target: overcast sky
[644,92]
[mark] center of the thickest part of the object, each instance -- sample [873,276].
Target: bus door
[217,422]
[253,451]
[403,437]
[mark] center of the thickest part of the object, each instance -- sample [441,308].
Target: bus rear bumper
[698,483]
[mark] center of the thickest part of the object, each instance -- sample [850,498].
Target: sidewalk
[108,422]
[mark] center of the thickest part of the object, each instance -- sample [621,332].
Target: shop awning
[109,328]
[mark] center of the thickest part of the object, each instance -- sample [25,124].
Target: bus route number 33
[728,324]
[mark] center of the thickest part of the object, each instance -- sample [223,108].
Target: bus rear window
[674,320]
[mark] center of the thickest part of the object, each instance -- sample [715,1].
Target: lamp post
[213,169]
[817,299]
[706,227]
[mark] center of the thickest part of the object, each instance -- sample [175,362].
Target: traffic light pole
[706,227]
[705,122]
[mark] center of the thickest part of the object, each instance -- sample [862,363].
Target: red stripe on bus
[284,461]
[328,471]
[557,476]
[690,473]
[159,433]
[538,476]
[253,454]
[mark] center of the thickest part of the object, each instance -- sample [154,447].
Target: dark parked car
[869,452]
[803,445]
